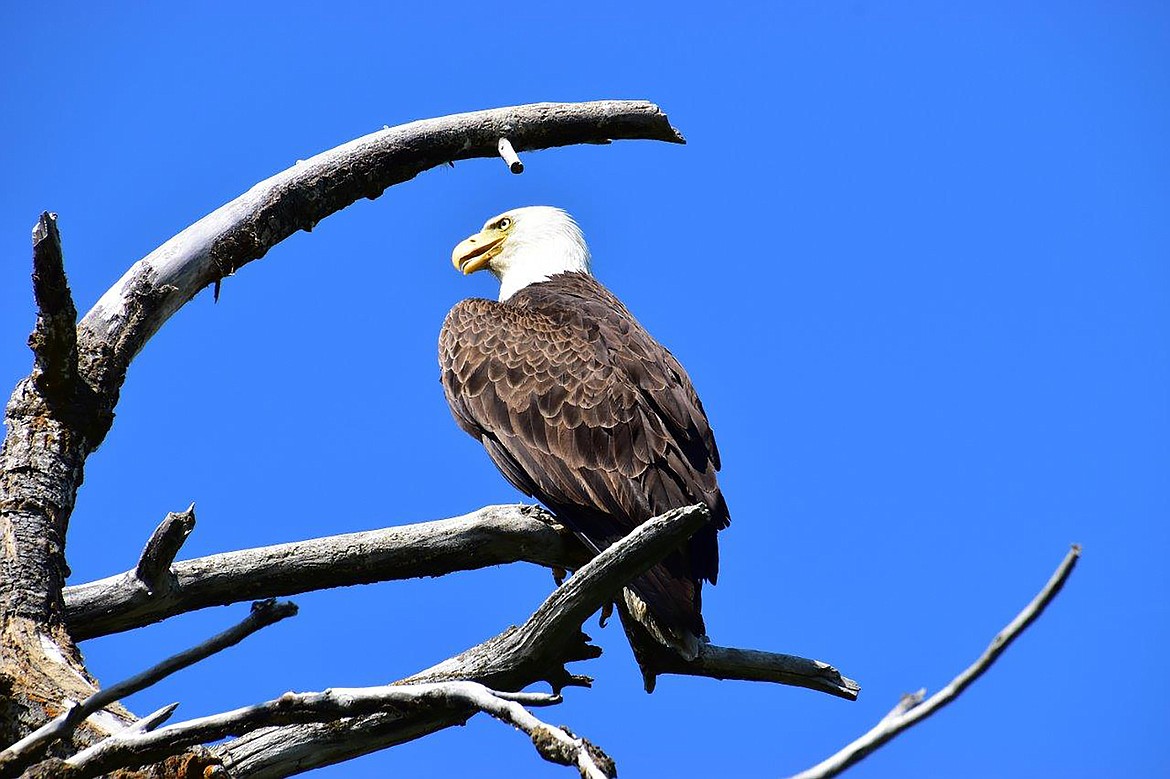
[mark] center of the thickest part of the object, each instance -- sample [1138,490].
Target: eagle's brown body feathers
[582,409]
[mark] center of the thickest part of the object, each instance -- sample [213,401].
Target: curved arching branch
[125,318]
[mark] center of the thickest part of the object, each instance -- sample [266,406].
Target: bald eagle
[580,408]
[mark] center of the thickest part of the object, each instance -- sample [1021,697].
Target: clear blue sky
[914,257]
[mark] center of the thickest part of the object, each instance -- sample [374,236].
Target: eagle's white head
[524,246]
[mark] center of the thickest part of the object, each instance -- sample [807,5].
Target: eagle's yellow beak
[476,252]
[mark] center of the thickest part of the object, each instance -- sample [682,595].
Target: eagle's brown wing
[580,408]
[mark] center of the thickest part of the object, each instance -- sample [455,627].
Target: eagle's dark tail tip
[658,644]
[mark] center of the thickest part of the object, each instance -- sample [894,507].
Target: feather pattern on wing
[579,407]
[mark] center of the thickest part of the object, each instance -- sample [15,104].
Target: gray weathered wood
[753,665]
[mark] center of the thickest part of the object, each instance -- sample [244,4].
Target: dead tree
[54,719]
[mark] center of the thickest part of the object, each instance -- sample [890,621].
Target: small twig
[19,754]
[154,566]
[557,745]
[553,743]
[911,710]
[510,156]
[152,720]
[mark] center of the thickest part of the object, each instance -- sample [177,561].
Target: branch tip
[154,564]
[54,338]
[510,156]
[912,708]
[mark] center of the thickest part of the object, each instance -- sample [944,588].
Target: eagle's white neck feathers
[542,242]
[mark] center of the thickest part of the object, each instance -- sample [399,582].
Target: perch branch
[154,565]
[135,747]
[263,614]
[492,535]
[509,659]
[489,536]
[912,710]
[535,651]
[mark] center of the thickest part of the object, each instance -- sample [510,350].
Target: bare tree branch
[752,665]
[15,757]
[557,745]
[535,651]
[134,747]
[492,535]
[912,710]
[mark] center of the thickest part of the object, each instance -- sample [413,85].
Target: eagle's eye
[504,224]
